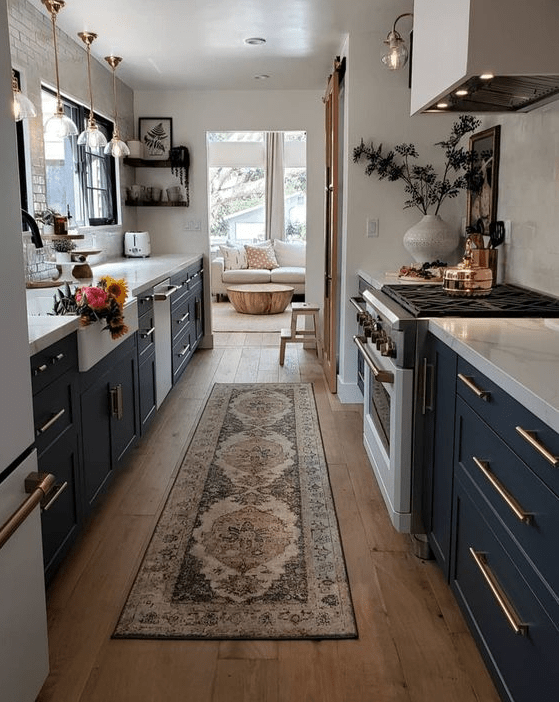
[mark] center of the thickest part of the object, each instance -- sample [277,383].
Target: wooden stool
[300,335]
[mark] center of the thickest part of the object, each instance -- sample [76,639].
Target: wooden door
[331,228]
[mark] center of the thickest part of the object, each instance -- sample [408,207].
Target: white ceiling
[199,44]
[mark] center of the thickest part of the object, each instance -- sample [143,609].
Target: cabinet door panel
[147,391]
[124,419]
[96,443]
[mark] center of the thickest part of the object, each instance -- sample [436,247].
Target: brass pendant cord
[54,8]
[114,61]
[87,38]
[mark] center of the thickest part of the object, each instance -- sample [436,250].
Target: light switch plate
[372,228]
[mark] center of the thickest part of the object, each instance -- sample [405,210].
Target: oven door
[388,412]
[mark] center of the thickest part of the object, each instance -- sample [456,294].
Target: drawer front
[519,428]
[527,507]
[146,331]
[181,353]
[180,317]
[53,410]
[145,303]
[147,390]
[52,362]
[524,665]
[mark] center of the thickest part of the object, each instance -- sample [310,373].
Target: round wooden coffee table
[264,298]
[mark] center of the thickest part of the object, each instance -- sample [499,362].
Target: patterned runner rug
[247,545]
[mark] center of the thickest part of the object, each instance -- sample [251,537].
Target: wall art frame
[482,195]
[156,135]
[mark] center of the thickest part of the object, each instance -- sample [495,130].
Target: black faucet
[32,224]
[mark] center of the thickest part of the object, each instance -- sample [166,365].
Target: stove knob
[380,339]
[367,331]
[388,348]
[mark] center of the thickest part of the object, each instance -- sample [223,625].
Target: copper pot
[468,279]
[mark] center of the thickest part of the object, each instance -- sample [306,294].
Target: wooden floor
[413,643]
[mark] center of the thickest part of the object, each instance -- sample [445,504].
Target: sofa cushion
[246,275]
[289,253]
[288,275]
[261,256]
[234,257]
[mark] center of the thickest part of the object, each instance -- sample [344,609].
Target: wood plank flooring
[413,643]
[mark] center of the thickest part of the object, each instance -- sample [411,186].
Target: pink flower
[96,298]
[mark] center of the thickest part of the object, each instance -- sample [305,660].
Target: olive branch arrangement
[422,184]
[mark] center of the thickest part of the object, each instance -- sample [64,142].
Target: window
[20,139]
[238,179]
[79,179]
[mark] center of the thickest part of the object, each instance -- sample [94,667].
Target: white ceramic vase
[430,239]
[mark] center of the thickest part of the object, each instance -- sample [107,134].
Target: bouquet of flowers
[96,302]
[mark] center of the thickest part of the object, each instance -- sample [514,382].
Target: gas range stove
[503,301]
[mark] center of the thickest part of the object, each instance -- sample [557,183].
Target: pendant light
[394,54]
[22,105]
[59,125]
[116,147]
[92,136]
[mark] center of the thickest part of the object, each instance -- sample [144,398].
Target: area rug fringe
[247,545]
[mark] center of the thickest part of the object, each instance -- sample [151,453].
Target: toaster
[137,244]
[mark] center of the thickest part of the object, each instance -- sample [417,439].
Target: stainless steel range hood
[457,42]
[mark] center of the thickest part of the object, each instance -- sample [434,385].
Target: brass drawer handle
[185,350]
[183,318]
[57,492]
[57,358]
[147,333]
[501,598]
[530,438]
[511,502]
[482,394]
[51,421]
[40,369]
[116,397]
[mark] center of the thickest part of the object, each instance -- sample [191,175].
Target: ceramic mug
[153,194]
[175,193]
[136,192]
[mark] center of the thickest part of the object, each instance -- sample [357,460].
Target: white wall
[196,112]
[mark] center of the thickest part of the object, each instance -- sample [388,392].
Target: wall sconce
[92,136]
[22,105]
[59,125]
[394,53]
[116,147]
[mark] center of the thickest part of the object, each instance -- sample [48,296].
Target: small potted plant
[46,217]
[63,249]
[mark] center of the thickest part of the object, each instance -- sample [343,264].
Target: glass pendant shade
[394,53]
[116,147]
[91,137]
[59,125]
[22,105]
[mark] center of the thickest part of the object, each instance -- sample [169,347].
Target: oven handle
[381,376]
[355,302]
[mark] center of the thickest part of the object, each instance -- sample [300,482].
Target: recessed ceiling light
[255,41]
[487,76]
[441,105]
[262,76]
[461,92]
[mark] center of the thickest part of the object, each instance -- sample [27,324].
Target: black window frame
[85,157]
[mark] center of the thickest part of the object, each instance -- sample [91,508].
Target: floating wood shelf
[136,203]
[146,163]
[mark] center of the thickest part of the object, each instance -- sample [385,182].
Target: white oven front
[388,412]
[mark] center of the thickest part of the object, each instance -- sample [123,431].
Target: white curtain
[275,228]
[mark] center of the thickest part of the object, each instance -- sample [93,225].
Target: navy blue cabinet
[490,508]
[187,320]
[146,360]
[54,373]
[109,416]
[438,406]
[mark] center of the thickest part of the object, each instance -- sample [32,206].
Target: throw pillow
[261,257]
[290,253]
[234,257]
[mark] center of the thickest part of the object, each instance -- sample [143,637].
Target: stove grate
[503,301]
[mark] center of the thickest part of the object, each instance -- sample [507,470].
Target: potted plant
[431,238]
[46,217]
[63,249]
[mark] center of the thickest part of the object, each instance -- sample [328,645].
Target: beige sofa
[231,268]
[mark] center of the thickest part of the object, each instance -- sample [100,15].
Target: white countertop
[519,355]
[139,273]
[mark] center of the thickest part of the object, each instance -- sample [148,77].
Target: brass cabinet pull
[40,369]
[57,490]
[51,421]
[37,486]
[185,350]
[425,404]
[382,376]
[57,358]
[148,298]
[483,394]
[511,502]
[183,318]
[501,598]
[530,438]
[116,401]
[147,333]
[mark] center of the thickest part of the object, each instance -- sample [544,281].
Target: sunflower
[117,288]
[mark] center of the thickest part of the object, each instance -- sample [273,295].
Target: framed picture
[482,196]
[156,133]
